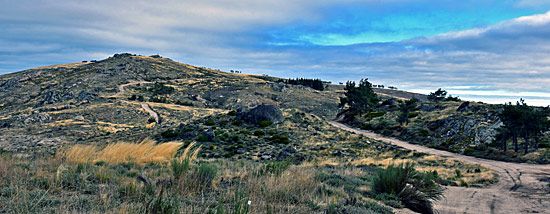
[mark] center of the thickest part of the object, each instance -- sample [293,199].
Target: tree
[511,116]
[406,108]
[438,95]
[359,99]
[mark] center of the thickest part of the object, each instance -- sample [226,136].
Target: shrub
[232,113]
[169,134]
[279,139]
[413,114]
[468,151]
[237,122]
[259,133]
[425,132]
[414,189]
[209,123]
[265,123]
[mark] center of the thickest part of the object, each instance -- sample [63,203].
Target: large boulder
[262,112]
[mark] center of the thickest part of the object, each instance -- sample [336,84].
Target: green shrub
[160,88]
[425,132]
[169,134]
[458,173]
[265,123]
[232,113]
[209,123]
[414,189]
[468,151]
[259,133]
[281,139]
[413,114]
[237,122]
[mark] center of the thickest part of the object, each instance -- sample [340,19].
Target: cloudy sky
[484,50]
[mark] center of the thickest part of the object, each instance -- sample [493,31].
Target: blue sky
[484,50]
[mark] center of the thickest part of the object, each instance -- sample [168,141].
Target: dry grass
[145,152]
[5,166]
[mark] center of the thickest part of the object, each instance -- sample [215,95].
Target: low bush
[259,133]
[280,139]
[265,123]
[414,189]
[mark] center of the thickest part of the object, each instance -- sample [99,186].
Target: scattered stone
[286,152]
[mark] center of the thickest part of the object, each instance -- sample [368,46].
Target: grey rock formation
[263,112]
[86,96]
[9,85]
[463,106]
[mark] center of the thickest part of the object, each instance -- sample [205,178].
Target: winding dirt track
[522,188]
[145,106]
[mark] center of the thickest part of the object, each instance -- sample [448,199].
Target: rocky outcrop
[86,96]
[54,97]
[9,85]
[263,112]
[468,131]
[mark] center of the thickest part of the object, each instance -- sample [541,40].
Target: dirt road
[522,188]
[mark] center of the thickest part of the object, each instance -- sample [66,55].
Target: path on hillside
[121,89]
[145,106]
[522,188]
[152,113]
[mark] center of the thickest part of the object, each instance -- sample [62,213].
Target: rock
[463,106]
[263,112]
[338,153]
[210,134]
[286,152]
[9,85]
[86,96]
[426,107]
[241,151]
[54,97]
[79,118]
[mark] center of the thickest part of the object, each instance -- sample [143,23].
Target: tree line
[523,121]
[316,84]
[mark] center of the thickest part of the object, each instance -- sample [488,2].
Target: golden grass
[65,123]
[145,152]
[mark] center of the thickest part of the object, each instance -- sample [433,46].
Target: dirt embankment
[522,188]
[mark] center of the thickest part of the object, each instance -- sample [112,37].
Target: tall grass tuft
[182,164]
[415,190]
[146,151]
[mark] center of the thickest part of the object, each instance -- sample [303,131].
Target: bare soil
[522,188]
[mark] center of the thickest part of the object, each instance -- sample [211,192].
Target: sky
[494,51]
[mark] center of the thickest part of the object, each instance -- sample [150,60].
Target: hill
[141,134]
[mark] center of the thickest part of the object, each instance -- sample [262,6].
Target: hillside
[84,102]
[141,134]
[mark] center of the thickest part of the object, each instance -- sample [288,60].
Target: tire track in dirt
[522,188]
